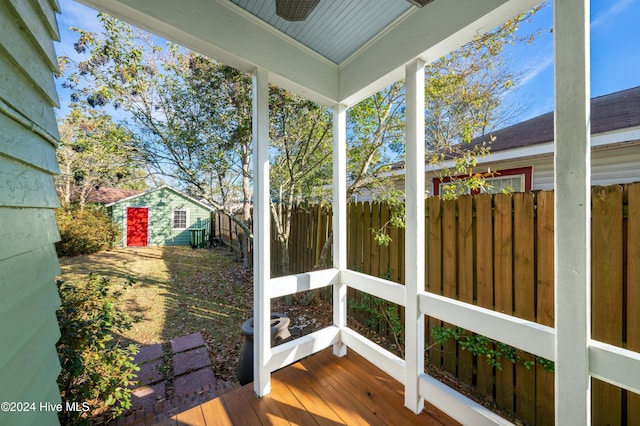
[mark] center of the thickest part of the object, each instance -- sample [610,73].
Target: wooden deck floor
[321,389]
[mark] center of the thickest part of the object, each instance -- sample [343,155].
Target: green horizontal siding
[25,230]
[47,11]
[36,267]
[48,392]
[20,94]
[55,4]
[115,213]
[38,417]
[21,320]
[24,51]
[28,265]
[27,364]
[20,144]
[26,186]
[30,15]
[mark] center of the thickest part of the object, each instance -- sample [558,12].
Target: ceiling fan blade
[295,10]
[420,3]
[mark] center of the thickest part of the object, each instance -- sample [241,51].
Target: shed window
[179,219]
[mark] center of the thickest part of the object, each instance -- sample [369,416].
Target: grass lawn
[179,291]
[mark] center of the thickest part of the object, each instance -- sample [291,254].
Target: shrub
[97,369]
[84,230]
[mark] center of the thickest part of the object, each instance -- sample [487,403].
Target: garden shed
[160,217]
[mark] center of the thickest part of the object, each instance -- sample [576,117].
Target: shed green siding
[28,263]
[161,204]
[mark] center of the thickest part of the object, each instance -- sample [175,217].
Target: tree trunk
[326,258]
[246,210]
[285,263]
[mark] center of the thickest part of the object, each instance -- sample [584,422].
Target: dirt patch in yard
[179,290]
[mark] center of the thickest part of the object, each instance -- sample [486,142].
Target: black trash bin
[279,332]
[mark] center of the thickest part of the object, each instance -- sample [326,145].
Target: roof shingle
[608,112]
[110,195]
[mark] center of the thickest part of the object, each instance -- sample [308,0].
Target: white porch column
[261,230]
[414,240]
[340,219]
[572,174]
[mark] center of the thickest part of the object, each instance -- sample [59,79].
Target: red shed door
[137,226]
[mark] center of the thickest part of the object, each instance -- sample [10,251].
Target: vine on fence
[493,351]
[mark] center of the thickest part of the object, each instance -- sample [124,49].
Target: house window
[500,184]
[515,180]
[443,185]
[179,219]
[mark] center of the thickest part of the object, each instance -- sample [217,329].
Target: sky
[615,52]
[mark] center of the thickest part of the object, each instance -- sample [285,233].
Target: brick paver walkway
[173,377]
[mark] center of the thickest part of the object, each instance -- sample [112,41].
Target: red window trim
[526,171]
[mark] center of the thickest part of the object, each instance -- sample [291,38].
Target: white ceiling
[335,28]
[327,58]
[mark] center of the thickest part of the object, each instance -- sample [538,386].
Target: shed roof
[164,187]
[110,195]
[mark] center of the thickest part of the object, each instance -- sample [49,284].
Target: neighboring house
[522,154]
[160,217]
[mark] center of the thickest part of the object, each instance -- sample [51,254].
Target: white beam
[618,366]
[428,33]
[572,212]
[414,235]
[340,220]
[291,284]
[522,334]
[223,31]
[294,350]
[378,287]
[261,234]
[375,354]
[458,406]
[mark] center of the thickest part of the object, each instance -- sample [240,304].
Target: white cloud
[536,67]
[615,9]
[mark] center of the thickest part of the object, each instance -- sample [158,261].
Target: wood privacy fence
[496,251]
[310,228]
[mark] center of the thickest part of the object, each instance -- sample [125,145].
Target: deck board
[191,417]
[266,409]
[215,413]
[319,390]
